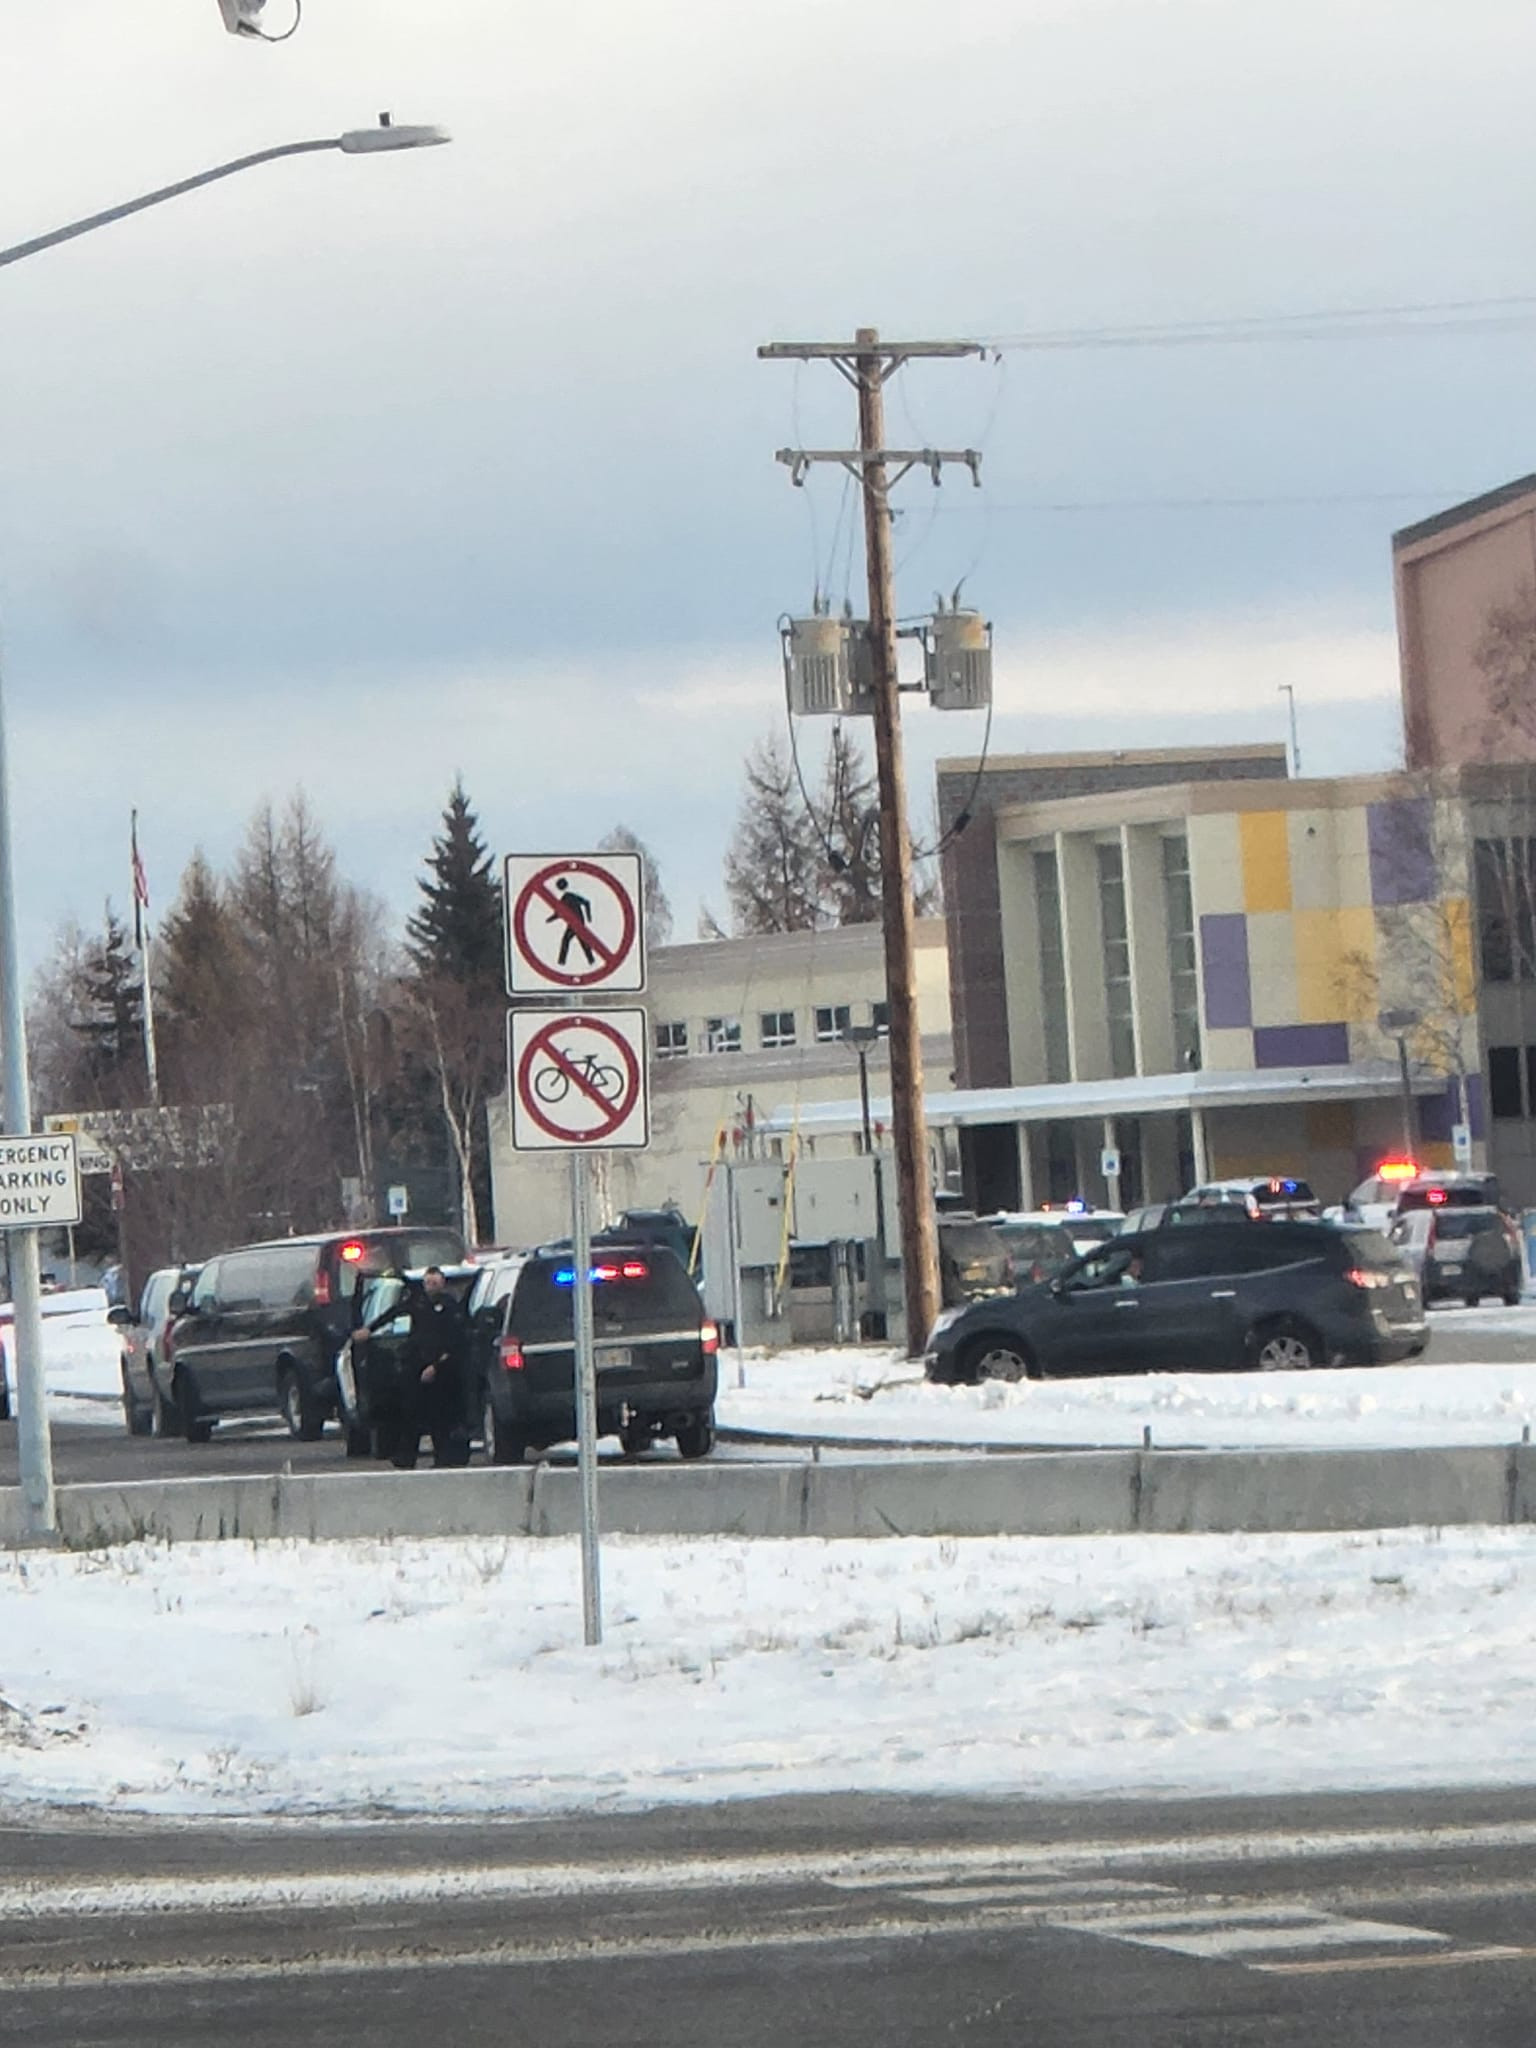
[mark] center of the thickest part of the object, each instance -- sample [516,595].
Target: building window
[671,1041]
[1119,1000]
[777,1029]
[722,1034]
[1053,969]
[880,1018]
[832,1022]
[1506,908]
[1183,957]
[1505,1101]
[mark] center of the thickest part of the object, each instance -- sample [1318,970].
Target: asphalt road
[870,1923]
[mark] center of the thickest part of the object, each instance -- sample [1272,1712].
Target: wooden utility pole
[867,363]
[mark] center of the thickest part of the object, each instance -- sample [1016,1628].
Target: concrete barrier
[1042,1494]
[687,1500]
[1070,1494]
[1185,1492]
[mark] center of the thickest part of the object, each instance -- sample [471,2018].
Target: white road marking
[1442,1959]
[1038,1891]
[1220,1935]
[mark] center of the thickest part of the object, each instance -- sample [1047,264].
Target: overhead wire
[1442,316]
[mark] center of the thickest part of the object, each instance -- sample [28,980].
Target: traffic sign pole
[586,1397]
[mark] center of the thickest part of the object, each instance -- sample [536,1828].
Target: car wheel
[301,1411]
[1512,1297]
[1472,1300]
[166,1419]
[195,1426]
[1283,1347]
[137,1419]
[636,1438]
[995,1358]
[501,1446]
[696,1439]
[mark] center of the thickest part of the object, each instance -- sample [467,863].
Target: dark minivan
[1220,1299]
[656,1352]
[263,1325]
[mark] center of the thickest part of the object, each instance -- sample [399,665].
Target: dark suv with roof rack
[655,1347]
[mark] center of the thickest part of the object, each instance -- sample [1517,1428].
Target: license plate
[614,1355]
[1447,1267]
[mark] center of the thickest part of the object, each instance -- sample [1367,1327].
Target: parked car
[655,1347]
[973,1259]
[262,1326]
[1462,1254]
[370,1371]
[1222,1298]
[148,1405]
[666,1226]
[1397,1186]
[1268,1197]
[1038,1242]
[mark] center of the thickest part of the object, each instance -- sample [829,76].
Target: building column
[1111,1180]
[1146,917]
[1026,1169]
[1082,942]
[1202,1150]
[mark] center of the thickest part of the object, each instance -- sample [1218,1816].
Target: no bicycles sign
[578,1080]
[574,922]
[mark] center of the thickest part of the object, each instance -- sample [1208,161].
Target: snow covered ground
[853,1394]
[449,1676]
[82,1356]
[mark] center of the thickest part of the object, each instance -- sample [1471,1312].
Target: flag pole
[142,940]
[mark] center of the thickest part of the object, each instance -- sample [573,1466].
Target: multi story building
[739,1026]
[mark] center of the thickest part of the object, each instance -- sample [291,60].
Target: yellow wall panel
[1265,837]
[1336,973]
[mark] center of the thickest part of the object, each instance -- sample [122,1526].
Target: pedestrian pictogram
[574,922]
[578,1079]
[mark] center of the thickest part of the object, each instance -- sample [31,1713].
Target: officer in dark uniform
[436,1360]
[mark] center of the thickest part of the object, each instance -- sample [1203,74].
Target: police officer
[436,1357]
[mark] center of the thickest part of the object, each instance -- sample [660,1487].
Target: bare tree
[658,909]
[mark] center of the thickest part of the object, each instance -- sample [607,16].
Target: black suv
[264,1324]
[1223,1298]
[655,1348]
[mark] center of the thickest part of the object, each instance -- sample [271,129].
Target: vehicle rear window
[1369,1248]
[1473,1196]
[646,1292]
[409,1251]
[1463,1223]
[966,1243]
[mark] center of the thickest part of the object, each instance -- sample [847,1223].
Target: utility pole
[867,363]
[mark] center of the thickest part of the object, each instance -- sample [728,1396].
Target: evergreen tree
[456,934]
[850,814]
[658,910]
[202,970]
[109,1016]
[775,862]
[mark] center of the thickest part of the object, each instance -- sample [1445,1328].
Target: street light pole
[34,1444]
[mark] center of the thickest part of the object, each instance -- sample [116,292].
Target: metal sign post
[39,1189]
[586,1398]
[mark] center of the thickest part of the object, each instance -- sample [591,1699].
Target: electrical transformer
[817,670]
[957,658]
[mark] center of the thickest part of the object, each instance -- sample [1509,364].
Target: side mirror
[1060,1288]
[178,1304]
[121,1317]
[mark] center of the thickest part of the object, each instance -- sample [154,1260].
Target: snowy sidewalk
[876,1396]
[449,1676]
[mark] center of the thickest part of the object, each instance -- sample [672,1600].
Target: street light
[34,1447]
[1397,1024]
[861,1037]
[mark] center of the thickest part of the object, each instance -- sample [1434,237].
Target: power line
[1323,323]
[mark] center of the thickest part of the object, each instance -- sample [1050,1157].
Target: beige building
[1454,573]
[739,1027]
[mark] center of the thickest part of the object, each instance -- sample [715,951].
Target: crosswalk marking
[1334,1966]
[1033,1891]
[1217,1935]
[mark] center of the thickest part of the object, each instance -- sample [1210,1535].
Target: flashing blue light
[1077,1206]
[565,1276]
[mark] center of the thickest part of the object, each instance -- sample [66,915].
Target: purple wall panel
[1224,962]
[1301,1045]
[1401,839]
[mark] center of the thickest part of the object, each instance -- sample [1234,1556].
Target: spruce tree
[110,1017]
[456,934]
[773,867]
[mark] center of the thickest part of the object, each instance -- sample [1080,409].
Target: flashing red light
[605,1272]
[511,1355]
[352,1252]
[1434,1197]
[633,1269]
[322,1289]
[709,1337]
[1398,1169]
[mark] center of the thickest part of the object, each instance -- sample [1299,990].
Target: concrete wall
[1042,1494]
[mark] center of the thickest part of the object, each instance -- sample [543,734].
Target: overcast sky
[353,472]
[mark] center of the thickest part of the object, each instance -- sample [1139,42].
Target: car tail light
[633,1270]
[1435,1197]
[322,1289]
[709,1338]
[511,1355]
[1368,1277]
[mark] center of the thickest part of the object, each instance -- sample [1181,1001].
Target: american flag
[140,885]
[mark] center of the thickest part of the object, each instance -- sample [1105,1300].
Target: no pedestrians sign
[574,922]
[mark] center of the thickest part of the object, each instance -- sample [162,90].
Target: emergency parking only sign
[39,1182]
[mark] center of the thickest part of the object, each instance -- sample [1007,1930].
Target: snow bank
[852,1395]
[449,1676]
[82,1353]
